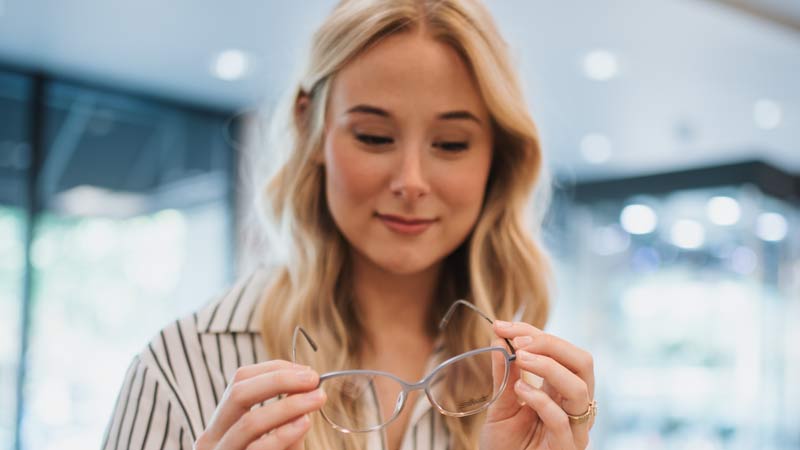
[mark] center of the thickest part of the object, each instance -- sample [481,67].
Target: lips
[406,220]
[405,225]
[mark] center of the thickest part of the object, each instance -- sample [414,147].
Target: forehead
[408,72]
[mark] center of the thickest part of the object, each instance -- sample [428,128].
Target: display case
[689,299]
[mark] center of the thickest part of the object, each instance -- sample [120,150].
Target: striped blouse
[173,386]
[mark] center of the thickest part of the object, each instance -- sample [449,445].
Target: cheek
[463,189]
[351,179]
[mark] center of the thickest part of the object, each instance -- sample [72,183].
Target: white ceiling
[690,70]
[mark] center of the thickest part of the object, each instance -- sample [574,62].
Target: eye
[374,140]
[452,146]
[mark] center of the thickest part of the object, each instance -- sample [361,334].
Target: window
[135,229]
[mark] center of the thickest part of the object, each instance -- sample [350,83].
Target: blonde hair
[499,267]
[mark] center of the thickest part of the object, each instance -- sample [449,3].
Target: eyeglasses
[460,386]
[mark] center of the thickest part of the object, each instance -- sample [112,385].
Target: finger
[513,329]
[257,422]
[241,396]
[574,358]
[577,360]
[287,436]
[571,387]
[552,416]
[249,371]
[298,445]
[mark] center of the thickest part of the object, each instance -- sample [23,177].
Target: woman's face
[407,151]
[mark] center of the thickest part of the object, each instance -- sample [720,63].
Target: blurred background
[671,130]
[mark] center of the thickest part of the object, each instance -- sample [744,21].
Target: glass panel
[14,157]
[136,234]
[12,269]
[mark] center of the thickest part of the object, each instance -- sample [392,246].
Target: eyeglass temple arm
[474,308]
[297,330]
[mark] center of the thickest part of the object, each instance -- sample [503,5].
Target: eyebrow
[450,115]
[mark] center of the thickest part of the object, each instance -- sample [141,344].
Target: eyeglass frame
[423,384]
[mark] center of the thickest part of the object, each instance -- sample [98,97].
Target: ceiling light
[600,65]
[231,65]
[86,200]
[723,210]
[771,227]
[596,148]
[638,219]
[767,114]
[688,234]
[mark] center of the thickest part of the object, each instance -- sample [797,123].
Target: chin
[405,266]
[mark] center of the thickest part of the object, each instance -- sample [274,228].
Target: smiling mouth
[405,220]
[405,225]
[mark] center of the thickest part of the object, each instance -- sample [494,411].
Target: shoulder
[235,310]
[187,340]
[232,311]
[195,356]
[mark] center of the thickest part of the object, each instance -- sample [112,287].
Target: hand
[278,425]
[526,417]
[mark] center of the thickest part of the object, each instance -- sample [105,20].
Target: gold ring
[590,412]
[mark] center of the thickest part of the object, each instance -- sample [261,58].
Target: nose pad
[400,400]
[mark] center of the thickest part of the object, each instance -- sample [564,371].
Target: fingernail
[503,324]
[521,341]
[526,356]
[523,386]
[305,376]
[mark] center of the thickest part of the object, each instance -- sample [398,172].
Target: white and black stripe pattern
[173,386]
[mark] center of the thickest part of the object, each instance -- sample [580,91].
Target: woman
[413,158]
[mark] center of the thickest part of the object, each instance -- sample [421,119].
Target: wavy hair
[499,266]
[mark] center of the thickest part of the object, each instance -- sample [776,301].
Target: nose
[409,181]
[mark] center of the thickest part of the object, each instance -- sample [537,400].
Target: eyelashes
[452,146]
[374,140]
[448,146]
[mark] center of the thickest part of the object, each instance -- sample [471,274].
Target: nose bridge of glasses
[406,387]
[419,385]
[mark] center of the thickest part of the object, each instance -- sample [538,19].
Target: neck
[394,307]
